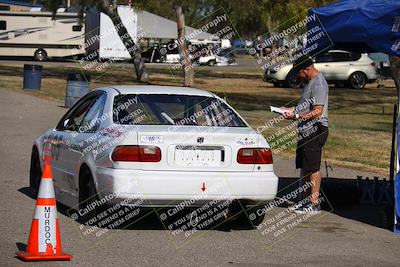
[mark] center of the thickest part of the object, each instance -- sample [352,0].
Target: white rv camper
[36,34]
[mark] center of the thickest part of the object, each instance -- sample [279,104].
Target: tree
[177,7]
[188,72]
[395,67]
[259,17]
[109,7]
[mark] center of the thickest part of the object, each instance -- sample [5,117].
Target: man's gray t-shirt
[315,92]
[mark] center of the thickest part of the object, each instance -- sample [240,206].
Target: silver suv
[338,66]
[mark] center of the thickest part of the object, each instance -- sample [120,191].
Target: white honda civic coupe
[162,145]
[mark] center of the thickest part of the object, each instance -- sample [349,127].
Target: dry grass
[360,120]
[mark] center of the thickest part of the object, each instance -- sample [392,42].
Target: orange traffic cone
[44,243]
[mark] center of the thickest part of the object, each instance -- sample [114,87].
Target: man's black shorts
[309,148]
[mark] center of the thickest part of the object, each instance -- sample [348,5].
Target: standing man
[312,115]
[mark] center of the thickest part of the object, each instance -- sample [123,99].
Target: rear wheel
[35,172]
[87,197]
[40,55]
[357,80]
[293,81]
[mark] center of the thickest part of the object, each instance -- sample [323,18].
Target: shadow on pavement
[345,198]
[342,195]
[27,191]
[20,246]
[149,218]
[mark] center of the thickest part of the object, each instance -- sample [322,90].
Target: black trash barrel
[77,86]
[32,76]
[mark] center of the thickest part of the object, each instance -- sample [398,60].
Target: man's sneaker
[309,208]
[297,206]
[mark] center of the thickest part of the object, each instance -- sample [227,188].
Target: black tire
[87,196]
[357,80]
[35,172]
[293,81]
[40,55]
[211,63]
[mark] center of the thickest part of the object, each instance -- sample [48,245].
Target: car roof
[344,51]
[337,50]
[154,89]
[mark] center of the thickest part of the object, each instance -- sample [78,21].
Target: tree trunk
[110,9]
[187,66]
[395,67]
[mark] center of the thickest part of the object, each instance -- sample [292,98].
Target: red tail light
[373,64]
[137,153]
[254,156]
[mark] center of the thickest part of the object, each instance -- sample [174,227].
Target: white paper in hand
[277,110]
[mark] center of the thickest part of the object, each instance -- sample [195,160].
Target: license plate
[198,157]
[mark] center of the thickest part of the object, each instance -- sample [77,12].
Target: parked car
[172,54]
[338,66]
[224,57]
[175,142]
[383,65]
[216,60]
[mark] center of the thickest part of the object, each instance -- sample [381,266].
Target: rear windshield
[174,110]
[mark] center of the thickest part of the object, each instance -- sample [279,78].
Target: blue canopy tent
[362,26]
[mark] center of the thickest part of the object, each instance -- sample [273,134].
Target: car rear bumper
[167,188]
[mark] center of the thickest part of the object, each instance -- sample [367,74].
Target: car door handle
[72,146]
[326,65]
[351,64]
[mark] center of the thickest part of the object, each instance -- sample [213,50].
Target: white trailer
[36,34]
[102,39]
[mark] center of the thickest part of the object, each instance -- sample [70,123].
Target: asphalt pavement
[346,235]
